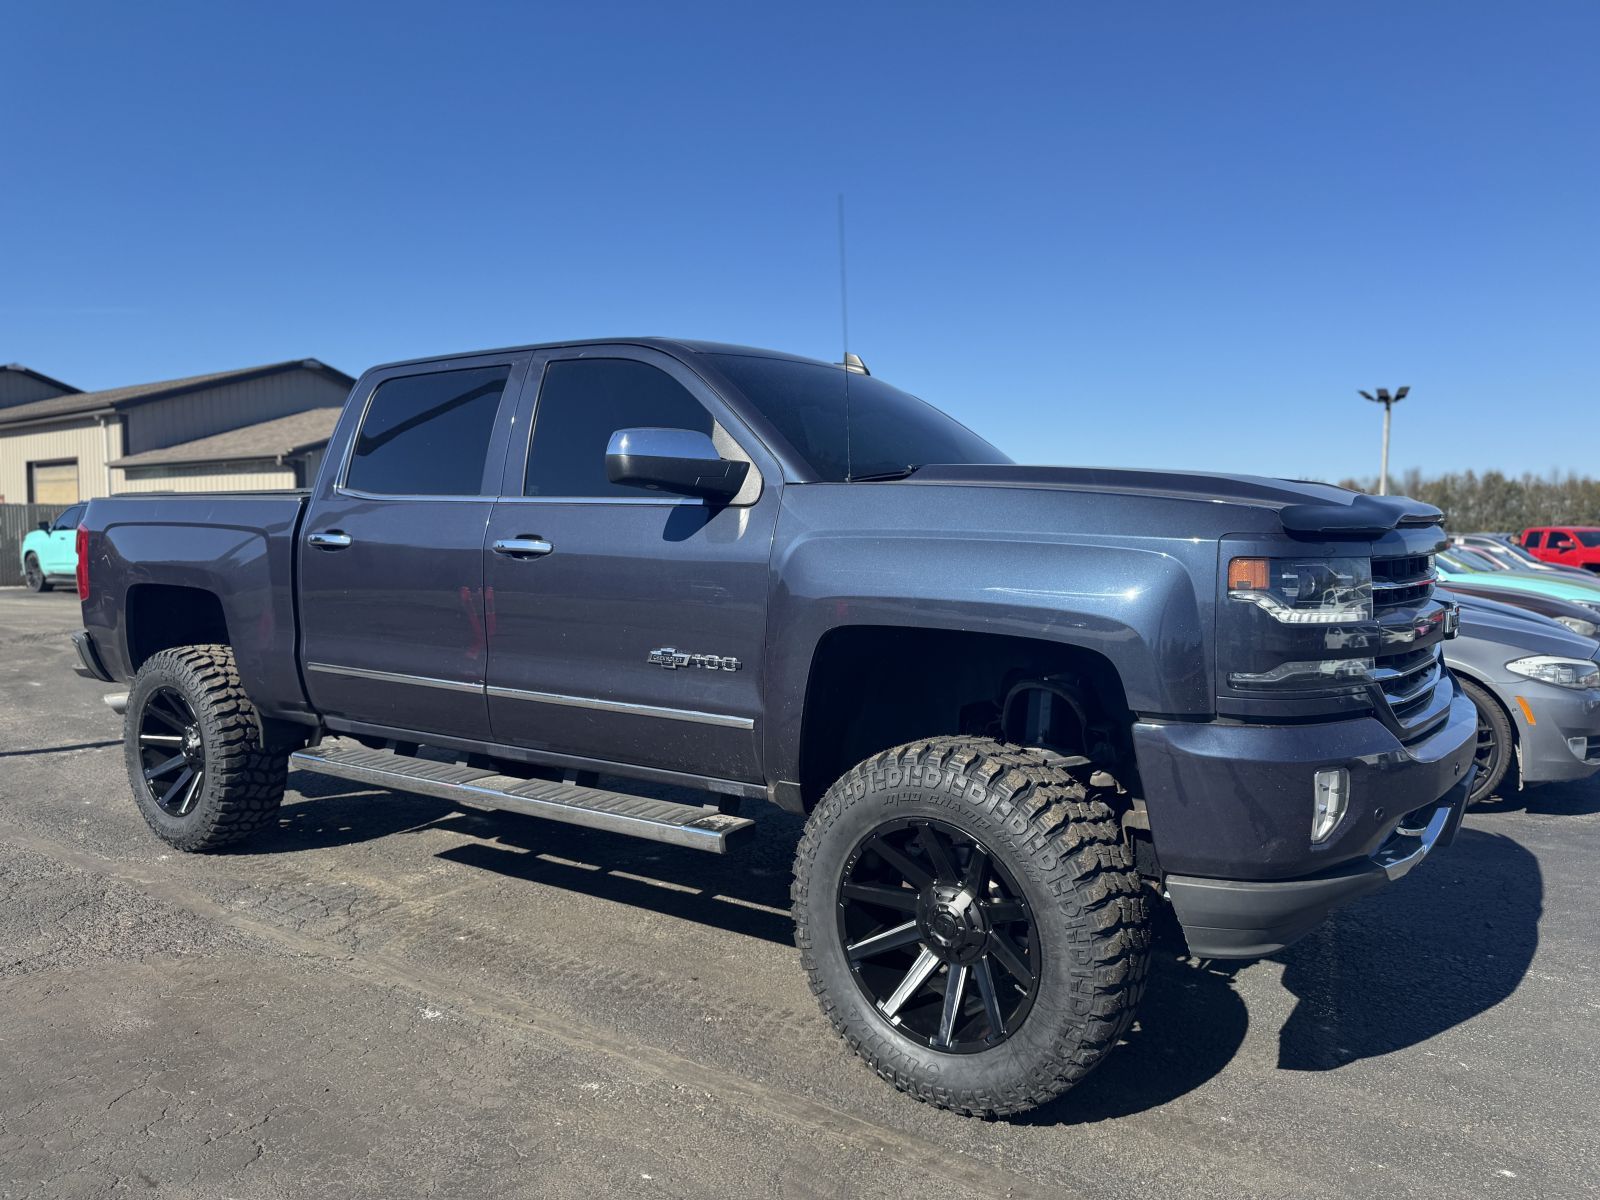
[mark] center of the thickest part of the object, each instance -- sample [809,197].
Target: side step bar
[593,808]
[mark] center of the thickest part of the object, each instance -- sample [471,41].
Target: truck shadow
[1417,959]
[1391,972]
[1579,799]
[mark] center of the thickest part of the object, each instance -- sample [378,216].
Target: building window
[54,482]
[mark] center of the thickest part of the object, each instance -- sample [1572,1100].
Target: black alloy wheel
[172,751]
[34,575]
[939,937]
[1495,746]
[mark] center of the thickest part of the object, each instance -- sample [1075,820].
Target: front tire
[1496,746]
[34,576]
[192,742]
[971,922]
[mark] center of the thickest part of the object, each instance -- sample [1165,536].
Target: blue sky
[1156,235]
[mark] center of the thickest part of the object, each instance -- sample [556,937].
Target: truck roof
[669,345]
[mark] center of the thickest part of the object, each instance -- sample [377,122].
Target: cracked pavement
[386,996]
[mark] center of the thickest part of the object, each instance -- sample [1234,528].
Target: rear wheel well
[874,687]
[160,616]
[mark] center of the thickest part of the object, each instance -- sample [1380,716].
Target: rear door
[636,636]
[391,555]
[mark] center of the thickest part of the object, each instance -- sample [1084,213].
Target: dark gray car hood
[1302,506]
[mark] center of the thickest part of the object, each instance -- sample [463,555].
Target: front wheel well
[875,687]
[159,616]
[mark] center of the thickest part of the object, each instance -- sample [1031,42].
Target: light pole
[1388,403]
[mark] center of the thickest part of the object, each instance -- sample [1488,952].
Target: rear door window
[1533,539]
[428,435]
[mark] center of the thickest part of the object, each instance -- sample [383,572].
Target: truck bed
[236,546]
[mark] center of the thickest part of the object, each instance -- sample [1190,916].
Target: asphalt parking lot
[386,996]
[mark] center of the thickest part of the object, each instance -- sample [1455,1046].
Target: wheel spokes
[160,739]
[902,899]
[1010,959]
[944,869]
[173,722]
[178,785]
[172,764]
[927,962]
[1003,912]
[910,871]
[928,919]
[991,998]
[977,872]
[882,943]
[194,790]
[955,985]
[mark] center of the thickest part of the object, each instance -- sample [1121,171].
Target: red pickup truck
[1569,545]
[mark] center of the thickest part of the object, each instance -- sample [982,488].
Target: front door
[391,555]
[60,553]
[627,625]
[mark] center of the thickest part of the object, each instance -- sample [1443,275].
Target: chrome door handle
[523,547]
[334,539]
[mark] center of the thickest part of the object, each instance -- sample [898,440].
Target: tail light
[83,562]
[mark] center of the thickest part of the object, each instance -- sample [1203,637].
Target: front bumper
[1227,918]
[1234,801]
[1560,715]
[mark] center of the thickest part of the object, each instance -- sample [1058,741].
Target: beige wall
[82,438]
[184,418]
[208,477]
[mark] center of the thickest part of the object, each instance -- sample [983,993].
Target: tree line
[1497,503]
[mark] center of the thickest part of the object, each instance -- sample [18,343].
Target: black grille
[1397,581]
[1407,677]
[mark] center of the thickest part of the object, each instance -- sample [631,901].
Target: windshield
[1472,560]
[1589,537]
[890,430]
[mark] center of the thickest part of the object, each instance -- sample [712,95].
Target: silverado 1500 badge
[673,659]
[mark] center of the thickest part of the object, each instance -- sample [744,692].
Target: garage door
[54,482]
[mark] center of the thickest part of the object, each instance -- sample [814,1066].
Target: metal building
[58,445]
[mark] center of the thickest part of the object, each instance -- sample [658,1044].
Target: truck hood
[1302,506]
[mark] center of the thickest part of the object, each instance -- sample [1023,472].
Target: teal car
[1466,566]
[50,552]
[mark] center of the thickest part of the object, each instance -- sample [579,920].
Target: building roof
[115,399]
[279,438]
[40,376]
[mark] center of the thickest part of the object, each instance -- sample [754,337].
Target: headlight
[1579,626]
[1311,591]
[1576,673]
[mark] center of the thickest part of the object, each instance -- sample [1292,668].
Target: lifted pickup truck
[1019,705]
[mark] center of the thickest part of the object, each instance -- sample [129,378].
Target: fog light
[1580,747]
[1333,798]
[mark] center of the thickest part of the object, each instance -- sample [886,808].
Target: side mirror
[44,526]
[679,461]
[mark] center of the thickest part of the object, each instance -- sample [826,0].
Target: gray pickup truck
[1018,705]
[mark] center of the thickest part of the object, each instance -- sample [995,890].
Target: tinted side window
[582,402]
[428,435]
[1533,538]
[69,519]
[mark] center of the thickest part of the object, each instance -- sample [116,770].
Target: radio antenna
[844,332]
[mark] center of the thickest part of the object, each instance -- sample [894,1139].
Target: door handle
[523,547]
[334,539]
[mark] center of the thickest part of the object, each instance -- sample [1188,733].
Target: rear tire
[34,576]
[1497,743]
[1052,930]
[192,742]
